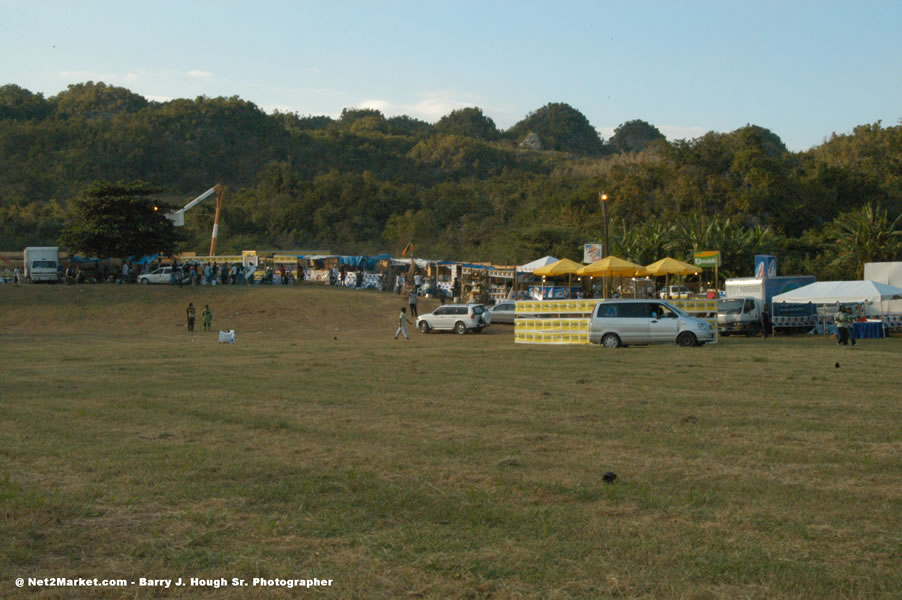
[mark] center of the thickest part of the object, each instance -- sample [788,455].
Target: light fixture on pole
[604,211]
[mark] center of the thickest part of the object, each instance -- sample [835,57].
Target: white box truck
[746,297]
[41,264]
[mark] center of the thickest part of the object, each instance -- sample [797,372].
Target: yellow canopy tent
[670,266]
[610,266]
[565,266]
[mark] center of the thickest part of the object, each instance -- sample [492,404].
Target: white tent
[530,267]
[844,292]
[877,300]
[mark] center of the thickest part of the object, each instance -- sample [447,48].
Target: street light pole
[604,247]
[604,211]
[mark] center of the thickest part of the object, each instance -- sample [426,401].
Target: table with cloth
[863,330]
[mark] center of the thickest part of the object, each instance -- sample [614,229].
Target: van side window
[608,311]
[663,311]
[637,310]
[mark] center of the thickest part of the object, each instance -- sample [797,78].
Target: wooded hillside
[459,189]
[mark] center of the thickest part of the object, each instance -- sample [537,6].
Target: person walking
[412,301]
[850,328]
[207,316]
[843,326]
[16,275]
[402,327]
[190,313]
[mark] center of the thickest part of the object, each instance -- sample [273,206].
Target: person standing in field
[843,327]
[207,316]
[766,323]
[190,313]
[402,328]
[412,301]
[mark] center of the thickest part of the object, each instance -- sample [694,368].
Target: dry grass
[446,466]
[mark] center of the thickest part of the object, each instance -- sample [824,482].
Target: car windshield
[676,310]
[730,307]
[44,264]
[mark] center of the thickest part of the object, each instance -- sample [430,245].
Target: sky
[803,69]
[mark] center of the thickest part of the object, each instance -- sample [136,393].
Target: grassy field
[445,466]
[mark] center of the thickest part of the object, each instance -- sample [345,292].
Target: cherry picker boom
[178,216]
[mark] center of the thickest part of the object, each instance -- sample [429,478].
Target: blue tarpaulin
[368,262]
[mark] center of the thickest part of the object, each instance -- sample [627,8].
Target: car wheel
[460,327]
[144,281]
[610,340]
[423,327]
[687,339]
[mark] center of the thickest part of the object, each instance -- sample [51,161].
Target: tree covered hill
[459,188]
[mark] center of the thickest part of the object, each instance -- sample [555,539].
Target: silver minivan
[620,322]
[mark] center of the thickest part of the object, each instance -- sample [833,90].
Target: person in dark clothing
[412,301]
[767,327]
[190,313]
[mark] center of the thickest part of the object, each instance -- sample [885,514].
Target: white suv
[460,318]
[161,275]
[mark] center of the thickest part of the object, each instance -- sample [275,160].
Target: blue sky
[802,69]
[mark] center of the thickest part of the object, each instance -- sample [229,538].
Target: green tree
[633,136]
[865,235]
[560,127]
[119,220]
[468,122]
[19,103]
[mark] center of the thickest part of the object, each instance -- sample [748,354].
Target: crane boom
[178,216]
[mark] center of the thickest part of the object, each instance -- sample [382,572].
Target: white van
[620,322]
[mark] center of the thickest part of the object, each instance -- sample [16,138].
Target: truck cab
[41,264]
[739,315]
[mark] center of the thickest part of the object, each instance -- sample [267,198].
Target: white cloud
[282,108]
[683,132]
[431,107]
[158,98]
[605,132]
[196,74]
[82,76]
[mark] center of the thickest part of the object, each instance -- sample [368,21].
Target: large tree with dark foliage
[119,220]
[468,122]
[633,136]
[560,127]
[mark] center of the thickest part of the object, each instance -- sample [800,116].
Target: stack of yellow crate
[553,322]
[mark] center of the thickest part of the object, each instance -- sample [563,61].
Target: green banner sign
[707,258]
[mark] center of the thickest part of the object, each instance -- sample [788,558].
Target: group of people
[211,274]
[206,316]
[843,320]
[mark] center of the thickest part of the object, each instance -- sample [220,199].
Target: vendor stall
[869,300]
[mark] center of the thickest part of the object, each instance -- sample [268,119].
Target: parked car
[622,322]
[676,291]
[161,275]
[459,318]
[503,312]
